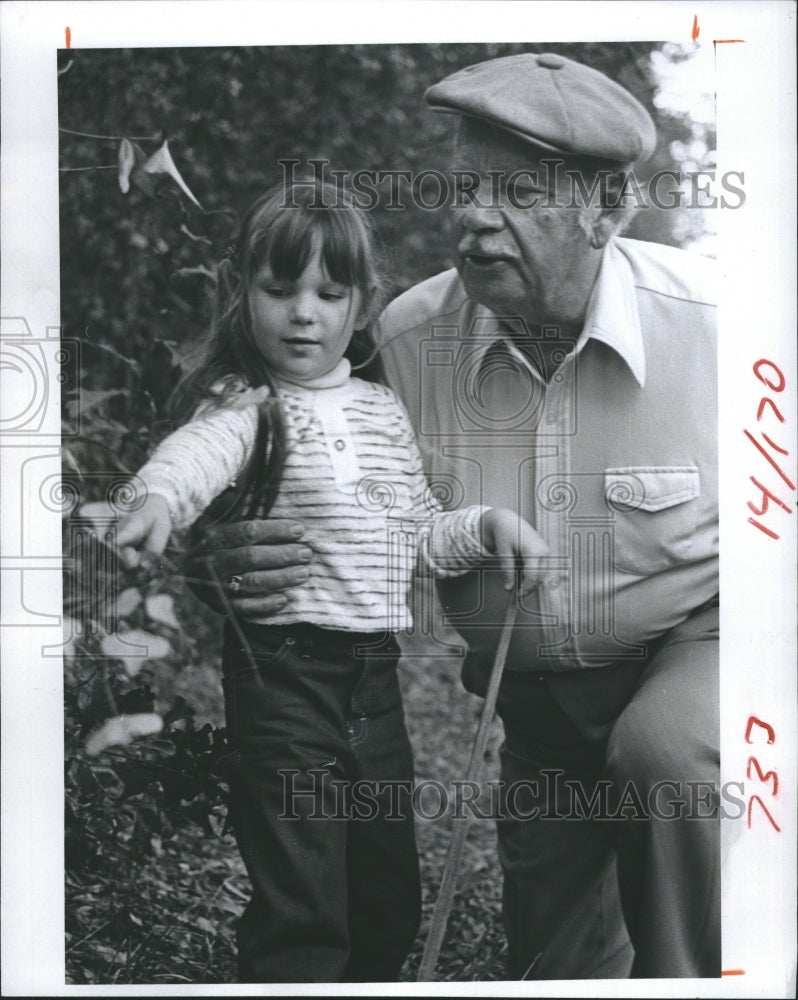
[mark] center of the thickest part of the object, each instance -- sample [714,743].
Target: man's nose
[478,216]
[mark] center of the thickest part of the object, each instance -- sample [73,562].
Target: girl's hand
[147,528]
[512,538]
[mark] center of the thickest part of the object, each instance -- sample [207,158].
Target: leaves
[134,165]
[193,237]
[160,374]
[161,608]
[90,399]
[159,919]
[134,648]
[128,601]
[204,272]
[71,629]
[121,730]
[161,162]
[126,160]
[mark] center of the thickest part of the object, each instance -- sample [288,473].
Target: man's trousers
[617,873]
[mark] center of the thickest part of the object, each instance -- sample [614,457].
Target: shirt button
[554,584]
[340,444]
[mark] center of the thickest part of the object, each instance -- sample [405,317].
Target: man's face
[534,262]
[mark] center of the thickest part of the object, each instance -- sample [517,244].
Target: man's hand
[266,558]
[513,539]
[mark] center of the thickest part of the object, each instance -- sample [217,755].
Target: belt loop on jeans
[305,637]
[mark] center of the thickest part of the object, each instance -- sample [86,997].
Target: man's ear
[605,223]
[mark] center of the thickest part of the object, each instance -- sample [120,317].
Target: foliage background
[153,879]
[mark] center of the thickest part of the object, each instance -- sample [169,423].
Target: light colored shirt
[353,477]
[613,459]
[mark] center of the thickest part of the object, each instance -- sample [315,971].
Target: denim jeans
[322,759]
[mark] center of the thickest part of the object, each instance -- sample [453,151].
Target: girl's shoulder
[230,387]
[232,393]
[380,405]
[228,383]
[372,390]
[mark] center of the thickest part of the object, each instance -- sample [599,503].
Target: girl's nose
[302,310]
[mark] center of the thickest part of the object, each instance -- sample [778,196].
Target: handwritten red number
[767,496]
[762,777]
[770,375]
[773,823]
[761,410]
[753,721]
[769,458]
[782,381]
[761,527]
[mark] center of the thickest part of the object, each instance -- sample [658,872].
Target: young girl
[321,793]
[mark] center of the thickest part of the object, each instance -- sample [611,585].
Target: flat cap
[554,103]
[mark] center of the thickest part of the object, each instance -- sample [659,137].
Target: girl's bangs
[289,244]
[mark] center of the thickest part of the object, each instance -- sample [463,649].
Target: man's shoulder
[671,272]
[439,296]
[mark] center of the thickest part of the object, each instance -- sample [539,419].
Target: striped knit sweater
[353,478]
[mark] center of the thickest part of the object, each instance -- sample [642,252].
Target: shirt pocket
[656,514]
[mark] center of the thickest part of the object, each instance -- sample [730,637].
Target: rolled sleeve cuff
[454,542]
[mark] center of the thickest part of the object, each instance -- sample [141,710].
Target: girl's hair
[281,229]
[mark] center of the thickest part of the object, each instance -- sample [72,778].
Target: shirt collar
[333,379]
[611,317]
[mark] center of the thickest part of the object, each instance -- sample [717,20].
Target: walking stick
[443,905]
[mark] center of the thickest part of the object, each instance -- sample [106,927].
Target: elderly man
[571,375]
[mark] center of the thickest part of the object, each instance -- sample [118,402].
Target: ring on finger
[234,583]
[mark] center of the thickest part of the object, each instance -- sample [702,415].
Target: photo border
[755,62]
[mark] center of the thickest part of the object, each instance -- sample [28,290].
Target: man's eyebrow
[527,177]
[532,174]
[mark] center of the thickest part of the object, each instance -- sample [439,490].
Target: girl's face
[303,327]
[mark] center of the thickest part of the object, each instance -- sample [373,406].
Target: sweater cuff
[454,543]
[179,513]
